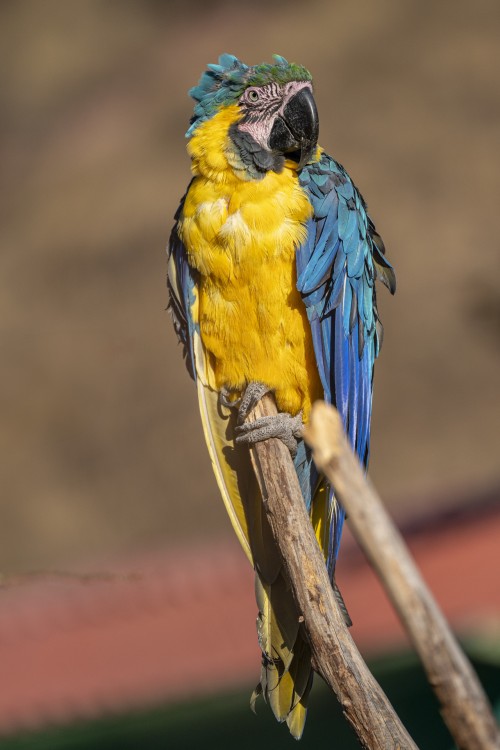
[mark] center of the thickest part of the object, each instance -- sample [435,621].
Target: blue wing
[336,269]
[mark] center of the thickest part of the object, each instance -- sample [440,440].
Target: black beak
[295,133]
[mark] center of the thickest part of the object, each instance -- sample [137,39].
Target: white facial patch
[272,101]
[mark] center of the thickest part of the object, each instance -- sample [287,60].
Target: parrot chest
[242,239]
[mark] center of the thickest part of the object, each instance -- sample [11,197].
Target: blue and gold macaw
[271,275]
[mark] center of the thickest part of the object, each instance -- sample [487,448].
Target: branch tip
[324,433]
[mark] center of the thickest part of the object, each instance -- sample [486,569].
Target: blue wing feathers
[356,259]
[321,357]
[345,189]
[319,269]
[336,267]
[343,214]
[348,237]
[346,305]
[320,178]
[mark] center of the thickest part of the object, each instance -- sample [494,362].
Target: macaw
[271,268]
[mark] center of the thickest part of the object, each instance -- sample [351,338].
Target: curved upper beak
[295,132]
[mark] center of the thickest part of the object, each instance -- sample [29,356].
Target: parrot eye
[253,95]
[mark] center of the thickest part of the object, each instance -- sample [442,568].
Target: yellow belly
[242,237]
[260,332]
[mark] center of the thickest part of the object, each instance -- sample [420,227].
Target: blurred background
[108,504]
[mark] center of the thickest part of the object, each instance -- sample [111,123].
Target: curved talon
[225,398]
[282,426]
[253,394]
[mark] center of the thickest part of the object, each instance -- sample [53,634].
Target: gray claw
[225,399]
[282,426]
[253,394]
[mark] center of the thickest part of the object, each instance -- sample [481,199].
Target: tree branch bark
[464,705]
[334,653]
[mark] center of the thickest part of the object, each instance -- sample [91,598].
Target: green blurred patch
[226,720]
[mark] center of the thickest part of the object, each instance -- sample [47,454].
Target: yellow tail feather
[286,673]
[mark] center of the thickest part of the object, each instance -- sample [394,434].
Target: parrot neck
[210,147]
[219,152]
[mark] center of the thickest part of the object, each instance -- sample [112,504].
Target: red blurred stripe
[175,624]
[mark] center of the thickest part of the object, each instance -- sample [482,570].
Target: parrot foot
[283,426]
[226,400]
[253,394]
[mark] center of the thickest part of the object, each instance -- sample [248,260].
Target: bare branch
[335,655]
[464,705]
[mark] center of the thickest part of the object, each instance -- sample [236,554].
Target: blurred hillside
[100,437]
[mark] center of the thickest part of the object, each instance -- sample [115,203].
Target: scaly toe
[282,426]
[253,394]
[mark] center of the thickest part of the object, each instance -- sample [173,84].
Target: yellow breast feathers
[241,235]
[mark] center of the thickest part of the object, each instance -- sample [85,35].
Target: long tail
[286,673]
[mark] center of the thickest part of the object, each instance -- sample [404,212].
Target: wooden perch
[334,653]
[464,705]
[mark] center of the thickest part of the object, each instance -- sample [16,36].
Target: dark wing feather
[181,285]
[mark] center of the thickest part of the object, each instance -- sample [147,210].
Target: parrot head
[277,117]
